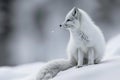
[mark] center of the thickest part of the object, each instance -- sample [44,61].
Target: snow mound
[113,47]
[106,70]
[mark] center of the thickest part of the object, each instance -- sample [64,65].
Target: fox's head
[72,19]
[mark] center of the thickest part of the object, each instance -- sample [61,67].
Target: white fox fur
[86,44]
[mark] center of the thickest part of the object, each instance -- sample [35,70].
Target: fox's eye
[68,20]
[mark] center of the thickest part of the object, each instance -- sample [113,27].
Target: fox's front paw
[78,66]
[44,75]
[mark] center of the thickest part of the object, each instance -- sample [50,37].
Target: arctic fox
[86,44]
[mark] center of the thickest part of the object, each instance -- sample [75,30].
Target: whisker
[55,29]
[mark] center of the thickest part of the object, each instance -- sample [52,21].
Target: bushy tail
[51,69]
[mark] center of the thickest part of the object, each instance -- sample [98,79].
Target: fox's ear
[75,12]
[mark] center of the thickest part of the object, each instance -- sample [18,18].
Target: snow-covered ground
[108,69]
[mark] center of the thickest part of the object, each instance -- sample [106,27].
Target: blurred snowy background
[29,30]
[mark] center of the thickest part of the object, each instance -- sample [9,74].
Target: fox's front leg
[90,55]
[80,58]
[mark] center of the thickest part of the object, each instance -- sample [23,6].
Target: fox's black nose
[60,25]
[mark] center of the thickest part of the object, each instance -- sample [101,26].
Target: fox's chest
[81,40]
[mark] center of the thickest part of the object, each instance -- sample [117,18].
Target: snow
[108,69]
[19,72]
[113,47]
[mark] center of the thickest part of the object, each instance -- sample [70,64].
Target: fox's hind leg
[90,56]
[97,61]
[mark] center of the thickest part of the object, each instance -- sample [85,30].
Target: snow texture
[113,47]
[108,69]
